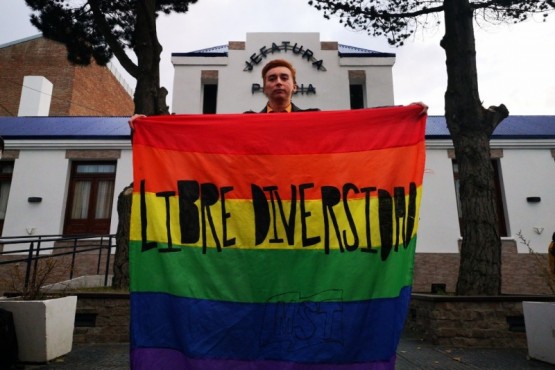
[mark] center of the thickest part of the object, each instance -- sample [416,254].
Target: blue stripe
[290,328]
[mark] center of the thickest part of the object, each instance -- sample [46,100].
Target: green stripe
[240,275]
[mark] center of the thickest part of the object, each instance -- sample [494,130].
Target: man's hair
[279,63]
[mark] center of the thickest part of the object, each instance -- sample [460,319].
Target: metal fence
[32,249]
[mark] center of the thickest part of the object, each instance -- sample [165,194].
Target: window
[91,192]
[209,81]
[209,99]
[357,96]
[499,204]
[6,170]
[357,83]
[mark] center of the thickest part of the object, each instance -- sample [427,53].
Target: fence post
[99,255]
[29,262]
[108,261]
[73,258]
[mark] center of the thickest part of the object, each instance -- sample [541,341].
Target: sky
[516,62]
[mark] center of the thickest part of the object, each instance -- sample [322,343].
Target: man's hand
[424,107]
[133,118]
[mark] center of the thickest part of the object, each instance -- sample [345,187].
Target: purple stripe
[168,359]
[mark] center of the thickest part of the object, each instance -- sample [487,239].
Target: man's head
[279,81]
[279,63]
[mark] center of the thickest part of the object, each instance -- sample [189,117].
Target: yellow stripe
[241,226]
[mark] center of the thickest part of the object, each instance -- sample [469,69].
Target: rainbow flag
[274,241]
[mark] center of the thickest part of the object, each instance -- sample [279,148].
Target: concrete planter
[539,318]
[44,328]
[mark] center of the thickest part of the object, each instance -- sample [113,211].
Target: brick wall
[96,92]
[77,90]
[522,273]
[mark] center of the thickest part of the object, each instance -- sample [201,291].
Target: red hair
[279,63]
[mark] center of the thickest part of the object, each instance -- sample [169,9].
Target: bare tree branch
[115,45]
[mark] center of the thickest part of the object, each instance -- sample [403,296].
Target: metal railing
[31,249]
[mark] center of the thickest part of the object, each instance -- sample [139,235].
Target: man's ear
[264,90]
[295,88]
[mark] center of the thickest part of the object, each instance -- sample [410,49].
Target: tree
[469,123]
[100,30]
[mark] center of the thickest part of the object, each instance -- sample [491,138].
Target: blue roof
[354,51]
[114,128]
[343,50]
[512,127]
[67,127]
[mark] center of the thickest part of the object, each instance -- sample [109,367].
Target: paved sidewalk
[90,357]
[412,354]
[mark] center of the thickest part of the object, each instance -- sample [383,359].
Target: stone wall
[102,318]
[488,322]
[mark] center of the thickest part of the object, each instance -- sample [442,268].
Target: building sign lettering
[301,89]
[285,46]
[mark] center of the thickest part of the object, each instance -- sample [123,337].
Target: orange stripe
[383,169]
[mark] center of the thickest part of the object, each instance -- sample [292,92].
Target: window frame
[90,224]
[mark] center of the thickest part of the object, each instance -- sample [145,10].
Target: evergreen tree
[470,124]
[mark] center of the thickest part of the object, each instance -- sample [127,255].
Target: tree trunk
[121,259]
[471,127]
[149,98]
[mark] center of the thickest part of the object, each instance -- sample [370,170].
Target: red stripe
[293,133]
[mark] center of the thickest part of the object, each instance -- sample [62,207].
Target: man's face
[278,84]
